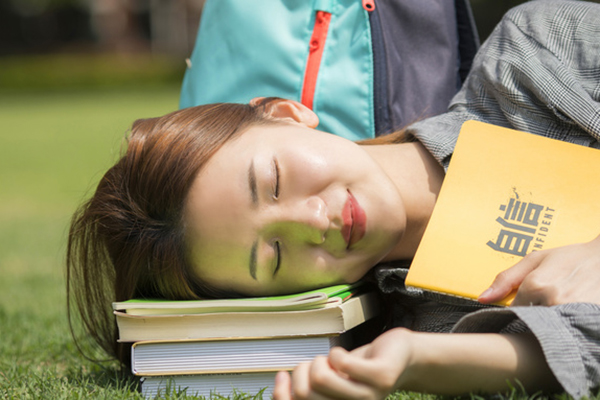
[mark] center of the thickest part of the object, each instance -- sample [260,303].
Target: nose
[304,220]
[313,214]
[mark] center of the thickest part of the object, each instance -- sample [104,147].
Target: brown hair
[396,137]
[128,239]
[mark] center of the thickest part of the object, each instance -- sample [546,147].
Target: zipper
[368,5]
[381,110]
[315,53]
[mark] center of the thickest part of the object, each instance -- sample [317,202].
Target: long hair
[128,239]
[400,136]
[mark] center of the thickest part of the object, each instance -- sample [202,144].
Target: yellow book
[506,193]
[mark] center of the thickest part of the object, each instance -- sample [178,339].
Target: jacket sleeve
[568,334]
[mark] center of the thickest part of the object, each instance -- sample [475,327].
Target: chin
[358,273]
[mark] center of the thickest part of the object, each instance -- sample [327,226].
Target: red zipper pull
[369,5]
[316,47]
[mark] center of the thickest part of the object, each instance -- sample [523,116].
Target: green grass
[54,147]
[84,71]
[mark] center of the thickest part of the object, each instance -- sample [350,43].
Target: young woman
[233,199]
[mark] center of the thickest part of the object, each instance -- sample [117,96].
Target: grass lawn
[53,149]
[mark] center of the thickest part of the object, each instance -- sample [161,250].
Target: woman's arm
[424,362]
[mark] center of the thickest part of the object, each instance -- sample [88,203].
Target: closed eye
[277,258]
[276,183]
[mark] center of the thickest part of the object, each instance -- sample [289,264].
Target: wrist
[409,376]
[420,362]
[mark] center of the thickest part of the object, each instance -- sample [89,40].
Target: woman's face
[285,208]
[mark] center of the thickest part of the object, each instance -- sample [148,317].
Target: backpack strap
[468,38]
[428,47]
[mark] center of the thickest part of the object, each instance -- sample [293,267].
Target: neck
[418,178]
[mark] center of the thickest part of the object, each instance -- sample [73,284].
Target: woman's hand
[448,364]
[369,372]
[555,276]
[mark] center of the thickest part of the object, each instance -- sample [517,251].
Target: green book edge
[344,292]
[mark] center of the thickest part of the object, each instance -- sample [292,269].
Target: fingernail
[280,377]
[488,292]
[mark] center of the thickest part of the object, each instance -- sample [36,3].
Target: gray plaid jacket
[538,72]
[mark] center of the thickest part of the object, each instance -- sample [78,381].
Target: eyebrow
[254,198]
[252,184]
[252,264]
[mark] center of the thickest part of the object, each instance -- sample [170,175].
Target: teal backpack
[365,67]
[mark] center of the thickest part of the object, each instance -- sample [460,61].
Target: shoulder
[554,17]
[539,10]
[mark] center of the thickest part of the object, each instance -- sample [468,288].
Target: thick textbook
[333,319]
[506,193]
[207,385]
[319,298]
[189,357]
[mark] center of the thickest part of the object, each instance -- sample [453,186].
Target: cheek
[322,265]
[305,168]
[221,265]
[315,266]
[302,262]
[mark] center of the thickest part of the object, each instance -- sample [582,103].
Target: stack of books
[220,347]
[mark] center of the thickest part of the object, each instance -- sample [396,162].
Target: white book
[229,356]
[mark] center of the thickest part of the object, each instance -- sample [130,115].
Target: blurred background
[74,75]
[94,43]
[98,43]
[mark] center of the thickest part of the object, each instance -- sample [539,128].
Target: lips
[354,220]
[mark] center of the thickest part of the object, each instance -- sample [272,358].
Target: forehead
[219,197]
[218,233]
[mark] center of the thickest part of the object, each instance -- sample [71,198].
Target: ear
[287,109]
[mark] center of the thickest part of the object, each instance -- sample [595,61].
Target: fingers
[369,371]
[554,276]
[283,386]
[317,380]
[567,274]
[510,279]
[378,365]
[535,291]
